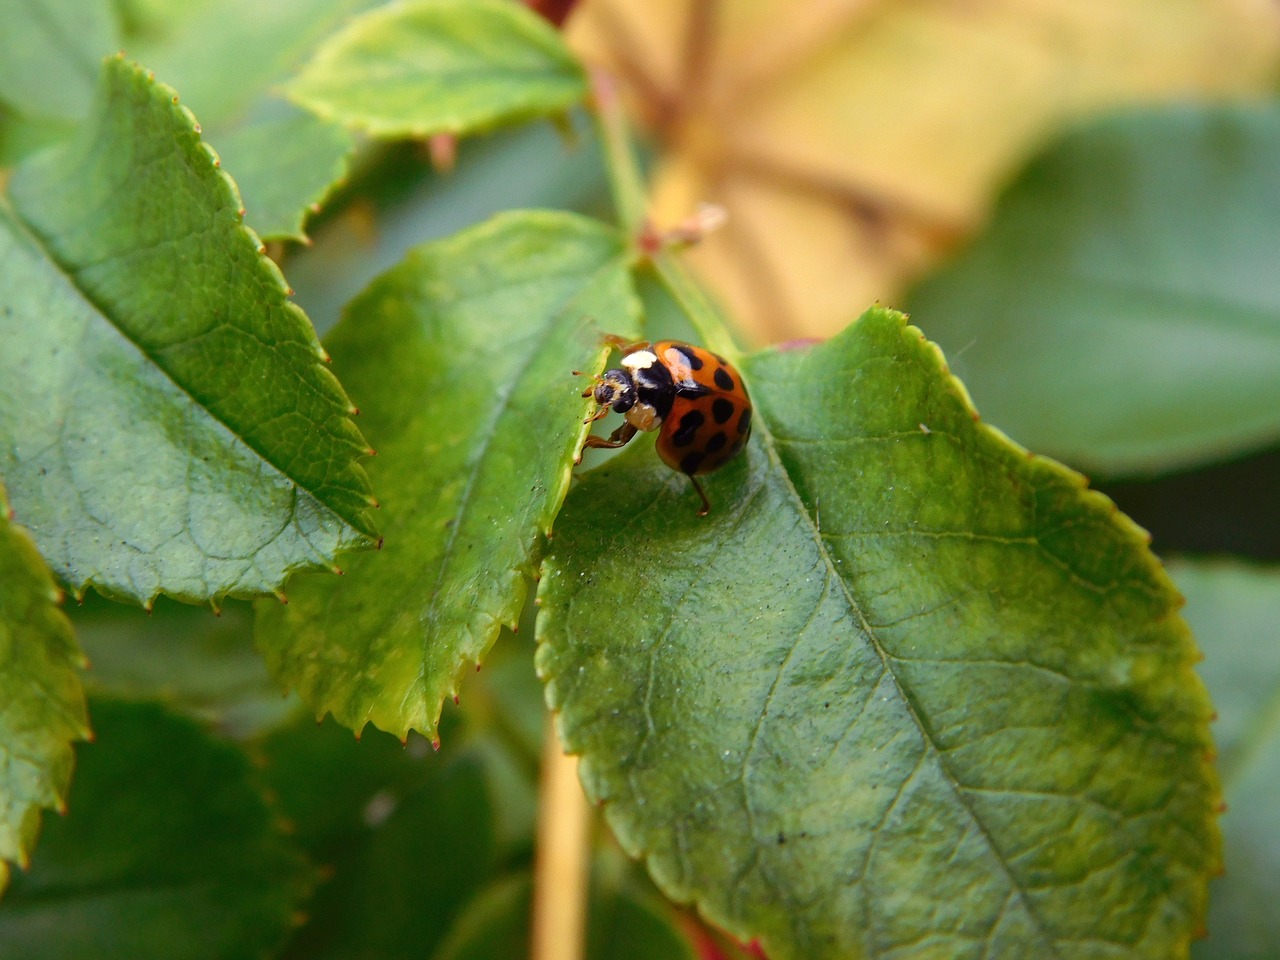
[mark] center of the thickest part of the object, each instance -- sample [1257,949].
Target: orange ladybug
[694,398]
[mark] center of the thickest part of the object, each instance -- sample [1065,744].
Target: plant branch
[625,180]
[561,861]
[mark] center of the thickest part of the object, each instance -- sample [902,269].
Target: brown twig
[561,863]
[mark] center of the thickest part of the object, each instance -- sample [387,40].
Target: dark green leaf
[168,852]
[907,691]
[462,357]
[42,707]
[1123,309]
[166,421]
[1235,610]
[407,835]
[194,661]
[441,66]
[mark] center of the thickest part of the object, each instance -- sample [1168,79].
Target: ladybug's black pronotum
[694,398]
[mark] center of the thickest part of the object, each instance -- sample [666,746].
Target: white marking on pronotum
[640,360]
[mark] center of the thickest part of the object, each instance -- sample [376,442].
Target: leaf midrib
[69,277]
[766,436]
[554,317]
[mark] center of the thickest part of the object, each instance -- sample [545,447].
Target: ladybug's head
[616,389]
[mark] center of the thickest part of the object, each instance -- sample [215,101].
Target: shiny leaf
[462,358]
[907,691]
[166,421]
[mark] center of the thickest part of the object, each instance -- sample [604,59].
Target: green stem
[631,203]
[625,180]
[697,306]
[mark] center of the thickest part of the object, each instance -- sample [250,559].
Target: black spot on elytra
[692,461]
[721,409]
[689,425]
[744,422]
[722,379]
[716,443]
[690,356]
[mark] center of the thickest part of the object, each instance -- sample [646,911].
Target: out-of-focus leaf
[906,691]
[226,58]
[167,423]
[462,356]
[1235,611]
[194,661]
[285,164]
[1123,309]
[524,168]
[168,852]
[42,710]
[853,141]
[50,51]
[407,835]
[441,66]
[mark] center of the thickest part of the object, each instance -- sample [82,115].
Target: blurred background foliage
[1079,199]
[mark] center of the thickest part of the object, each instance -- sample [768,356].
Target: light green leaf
[42,708]
[192,660]
[907,691]
[285,165]
[49,54]
[462,357]
[226,57]
[166,421]
[168,852]
[1123,309]
[1235,611]
[441,66]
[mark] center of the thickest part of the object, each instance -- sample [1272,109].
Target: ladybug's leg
[598,415]
[618,438]
[706,504]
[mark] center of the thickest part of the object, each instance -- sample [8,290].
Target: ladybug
[694,398]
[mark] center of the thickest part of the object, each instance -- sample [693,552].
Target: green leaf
[50,51]
[907,691]
[441,66]
[168,851]
[166,421]
[462,356]
[42,706]
[408,835]
[285,165]
[1234,610]
[194,661]
[1123,310]
[226,58]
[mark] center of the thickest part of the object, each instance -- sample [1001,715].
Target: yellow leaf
[854,142]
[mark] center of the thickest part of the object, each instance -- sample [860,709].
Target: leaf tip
[284,600]
[435,743]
